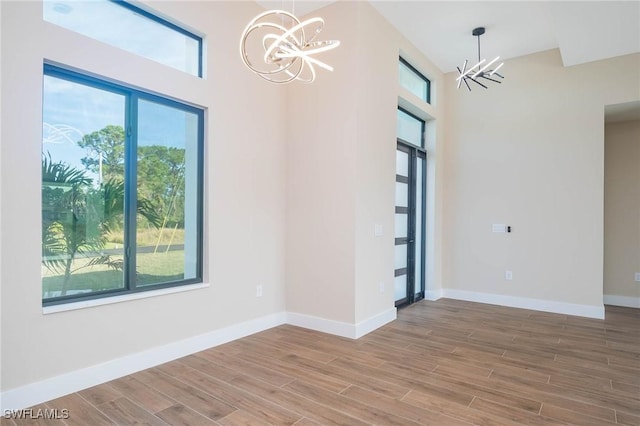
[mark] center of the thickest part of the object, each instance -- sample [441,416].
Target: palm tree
[76,218]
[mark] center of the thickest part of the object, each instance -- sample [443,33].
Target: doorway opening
[410,210]
[622,205]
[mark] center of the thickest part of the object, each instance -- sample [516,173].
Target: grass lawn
[152,268]
[148,237]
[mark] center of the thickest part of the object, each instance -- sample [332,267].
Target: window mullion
[131,190]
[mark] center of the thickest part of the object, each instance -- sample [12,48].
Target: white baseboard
[527,303]
[433,294]
[626,301]
[339,328]
[55,387]
[375,322]
[64,384]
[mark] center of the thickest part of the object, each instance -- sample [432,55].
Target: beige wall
[296,179]
[320,180]
[622,209]
[530,153]
[298,176]
[341,170]
[374,167]
[244,203]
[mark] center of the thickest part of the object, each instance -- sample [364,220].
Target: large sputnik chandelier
[480,70]
[282,47]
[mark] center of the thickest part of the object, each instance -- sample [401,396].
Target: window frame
[149,15]
[419,75]
[414,153]
[168,24]
[132,96]
[423,128]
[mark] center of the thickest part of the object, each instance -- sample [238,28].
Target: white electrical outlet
[508,275]
[258,291]
[637,277]
[381,287]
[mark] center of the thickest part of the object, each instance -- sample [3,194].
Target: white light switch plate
[378,230]
[499,227]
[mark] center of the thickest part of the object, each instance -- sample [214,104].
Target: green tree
[108,144]
[160,170]
[161,180]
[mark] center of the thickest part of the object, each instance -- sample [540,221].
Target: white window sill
[122,298]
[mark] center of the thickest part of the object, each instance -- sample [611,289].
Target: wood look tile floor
[440,363]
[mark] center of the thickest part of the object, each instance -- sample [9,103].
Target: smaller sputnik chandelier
[282,47]
[480,70]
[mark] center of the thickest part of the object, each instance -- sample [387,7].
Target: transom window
[410,129]
[121,189]
[412,80]
[128,27]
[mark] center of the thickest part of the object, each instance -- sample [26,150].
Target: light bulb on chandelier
[478,71]
[281,50]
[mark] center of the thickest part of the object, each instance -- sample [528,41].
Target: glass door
[409,224]
[410,210]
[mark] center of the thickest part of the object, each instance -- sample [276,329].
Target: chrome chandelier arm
[286,49]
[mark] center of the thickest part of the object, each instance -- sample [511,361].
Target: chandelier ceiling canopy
[481,72]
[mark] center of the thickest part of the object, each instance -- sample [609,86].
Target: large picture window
[121,189]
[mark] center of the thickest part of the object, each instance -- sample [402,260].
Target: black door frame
[414,152]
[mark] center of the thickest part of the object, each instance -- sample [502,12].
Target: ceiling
[584,31]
